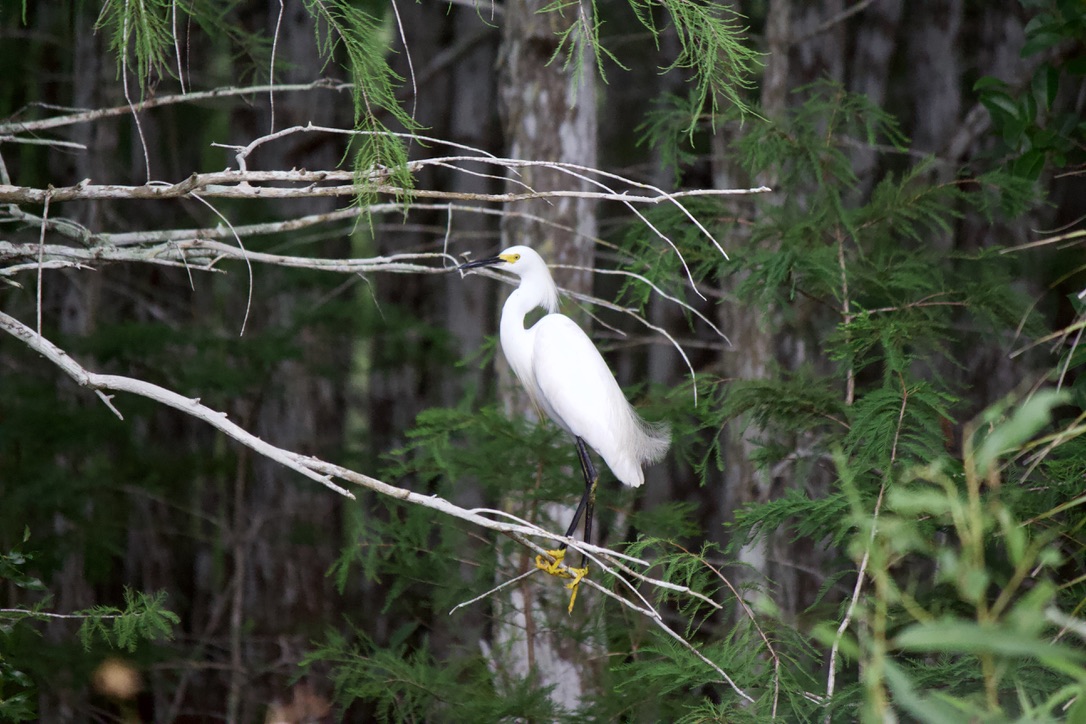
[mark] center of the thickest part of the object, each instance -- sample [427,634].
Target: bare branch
[247,185]
[193,407]
[203,255]
[86,116]
[311,467]
[205,250]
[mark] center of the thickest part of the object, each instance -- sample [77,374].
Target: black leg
[588,500]
[591,481]
[586,507]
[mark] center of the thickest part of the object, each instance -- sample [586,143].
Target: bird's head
[536,284]
[520,260]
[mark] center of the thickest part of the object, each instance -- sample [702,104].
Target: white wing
[578,391]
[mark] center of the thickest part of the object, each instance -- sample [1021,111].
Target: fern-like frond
[890,424]
[140,30]
[144,618]
[824,518]
[379,156]
[712,49]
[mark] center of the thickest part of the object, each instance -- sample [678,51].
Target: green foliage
[888,423]
[803,400]
[1038,131]
[897,319]
[80,479]
[144,32]
[966,564]
[380,157]
[16,686]
[397,683]
[14,564]
[964,584]
[1005,609]
[143,618]
[140,29]
[674,519]
[794,511]
[1012,434]
[19,706]
[455,443]
[807,147]
[712,49]
[667,129]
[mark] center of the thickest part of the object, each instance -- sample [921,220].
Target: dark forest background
[873,507]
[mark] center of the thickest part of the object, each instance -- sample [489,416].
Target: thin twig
[271,68]
[244,256]
[41,255]
[492,591]
[754,621]
[830,22]
[218,420]
[862,573]
[87,116]
[30,613]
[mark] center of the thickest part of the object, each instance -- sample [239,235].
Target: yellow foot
[576,574]
[556,568]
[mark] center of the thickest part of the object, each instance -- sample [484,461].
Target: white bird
[567,379]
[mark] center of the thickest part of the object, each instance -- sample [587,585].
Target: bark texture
[548,114]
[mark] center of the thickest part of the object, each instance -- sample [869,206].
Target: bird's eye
[515,257]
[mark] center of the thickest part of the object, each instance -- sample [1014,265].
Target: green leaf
[924,708]
[1024,423]
[1046,84]
[1000,103]
[988,83]
[1042,40]
[139,28]
[1029,165]
[961,636]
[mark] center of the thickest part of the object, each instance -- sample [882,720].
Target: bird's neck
[516,340]
[534,291]
[518,304]
[514,311]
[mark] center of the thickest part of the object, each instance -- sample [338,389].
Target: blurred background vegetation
[878,476]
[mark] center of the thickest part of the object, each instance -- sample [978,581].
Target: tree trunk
[876,44]
[805,43]
[549,115]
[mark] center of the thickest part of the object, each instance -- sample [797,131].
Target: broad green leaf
[959,636]
[924,708]
[1024,423]
[998,102]
[989,82]
[1046,84]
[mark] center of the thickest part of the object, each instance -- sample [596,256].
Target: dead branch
[610,562]
[313,468]
[87,116]
[308,184]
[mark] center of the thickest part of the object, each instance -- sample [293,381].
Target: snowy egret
[567,379]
